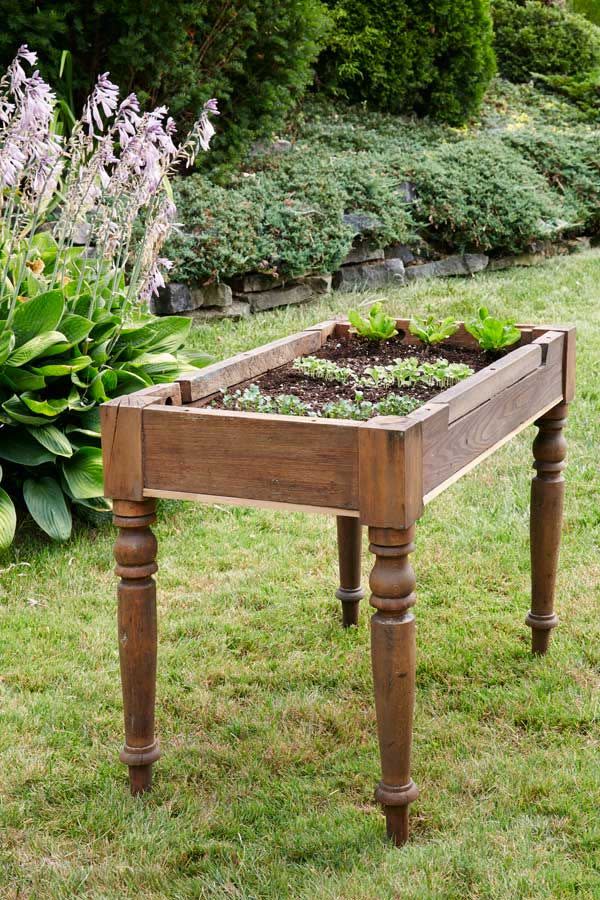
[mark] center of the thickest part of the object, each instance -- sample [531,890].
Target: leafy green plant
[532,37]
[431,330]
[492,334]
[396,405]
[378,327]
[433,58]
[255,55]
[443,373]
[73,327]
[251,399]
[405,371]
[323,370]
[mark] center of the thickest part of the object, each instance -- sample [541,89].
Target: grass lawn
[265,707]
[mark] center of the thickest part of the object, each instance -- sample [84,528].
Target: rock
[284,296]
[370,275]
[400,251]
[174,298]
[408,191]
[260,148]
[363,251]
[320,284]
[255,281]
[576,245]
[211,295]
[465,264]
[237,309]
[362,223]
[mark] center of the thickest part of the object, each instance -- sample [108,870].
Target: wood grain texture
[135,553]
[350,592]
[311,462]
[121,430]
[547,498]
[474,434]
[393,656]
[390,472]
[251,364]
[485,384]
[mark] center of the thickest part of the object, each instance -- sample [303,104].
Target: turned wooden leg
[392,582]
[350,592]
[135,553]
[547,493]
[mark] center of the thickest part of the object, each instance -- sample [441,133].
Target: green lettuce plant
[75,273]
[431,330]
[378,327]
[492,334]
[323,370]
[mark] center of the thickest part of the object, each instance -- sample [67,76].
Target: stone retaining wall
[367,266]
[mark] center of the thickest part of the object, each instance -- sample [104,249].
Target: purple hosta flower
[17,75]
[127,119]
[105,97]
[155,280]
[201,133]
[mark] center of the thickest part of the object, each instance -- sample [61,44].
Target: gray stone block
[173,299]
[363,251]
[464,264]
[370,275]
[255,281]
[284,296]
[211,295]
[238,309]
[320,284]
[402,252]
[362,223]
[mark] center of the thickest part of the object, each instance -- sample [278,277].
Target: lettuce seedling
[378,327]
[432,330]
[492,334]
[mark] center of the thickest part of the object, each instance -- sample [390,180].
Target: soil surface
[357,353]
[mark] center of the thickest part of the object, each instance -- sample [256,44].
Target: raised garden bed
[167,441]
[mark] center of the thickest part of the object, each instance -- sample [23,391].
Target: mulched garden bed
[357,353]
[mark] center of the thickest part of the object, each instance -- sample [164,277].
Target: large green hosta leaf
[83,473]
[20,379]
[8,520]
[160,335]
[19,447]
[35,347]
[52,439]
[58,368]
[38,316]
[50,408]
[18,412]
[46,504]
[7,342]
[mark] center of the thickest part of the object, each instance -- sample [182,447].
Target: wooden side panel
[485,384]
[281,459]
[475,433]
[247,365]
[390,472]
[121,427]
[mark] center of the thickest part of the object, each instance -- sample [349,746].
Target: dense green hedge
[531,37]
[255,56]
[434,58]
[530,171]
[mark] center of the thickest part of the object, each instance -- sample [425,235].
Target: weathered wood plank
[311,462]
[472,435]
[243,366]
[485,384]
[121,428]
[390,472]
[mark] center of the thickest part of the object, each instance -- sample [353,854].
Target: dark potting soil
[357,353]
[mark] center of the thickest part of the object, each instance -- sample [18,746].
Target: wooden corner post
[135,555]
[391,501]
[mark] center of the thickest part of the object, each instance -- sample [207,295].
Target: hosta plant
[82,223]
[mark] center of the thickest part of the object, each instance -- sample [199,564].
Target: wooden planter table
[164,442]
